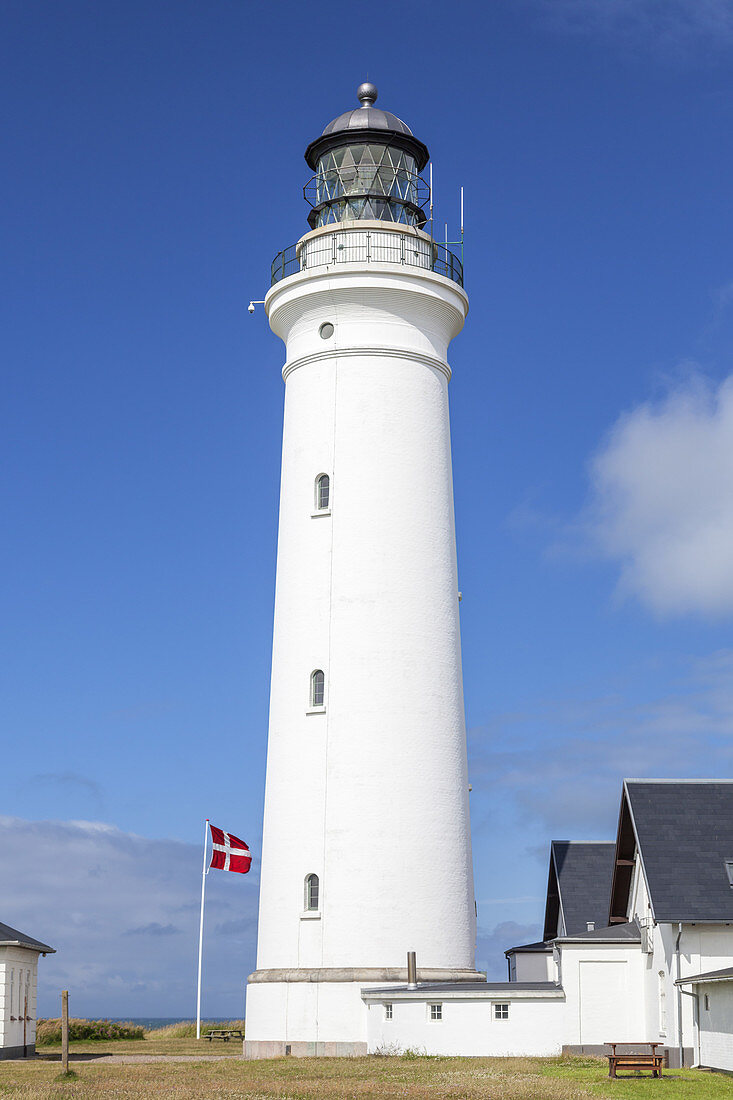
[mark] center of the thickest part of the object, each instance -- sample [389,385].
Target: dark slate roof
[725,975]
[11,936]
[541,947]
[583,871]
[684,830]
[616,933]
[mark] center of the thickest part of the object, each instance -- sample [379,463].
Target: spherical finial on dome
[366,94]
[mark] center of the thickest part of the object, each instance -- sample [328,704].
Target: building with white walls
[366,843]
[18,991]
[712,995]
[633,933]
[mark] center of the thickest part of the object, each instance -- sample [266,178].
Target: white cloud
[122,912]
[674,26]
[662,500]
[491,945]
[561,763]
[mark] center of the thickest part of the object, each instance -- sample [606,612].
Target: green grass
[393,1078]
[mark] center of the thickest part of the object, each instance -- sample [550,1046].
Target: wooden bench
[636,1060]
[223,1033]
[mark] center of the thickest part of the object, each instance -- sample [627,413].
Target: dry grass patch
[351,1079]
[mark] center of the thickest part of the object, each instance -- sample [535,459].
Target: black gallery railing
[367,246]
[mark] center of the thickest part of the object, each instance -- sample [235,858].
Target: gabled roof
[725,975]
[538,948]
[11,937]
[683,832]
[616,933]
[578,885]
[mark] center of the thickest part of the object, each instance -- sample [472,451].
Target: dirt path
[135,1059]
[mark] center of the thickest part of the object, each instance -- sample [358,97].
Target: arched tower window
[318,688]
[312,892]
[323,492]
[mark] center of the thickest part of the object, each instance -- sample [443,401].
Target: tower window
[318,688]
[311,893]
[323,492]
[501,1012]
[436,1012]
[326,330]
[388,1012]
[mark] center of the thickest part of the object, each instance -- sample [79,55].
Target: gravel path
[137,1059]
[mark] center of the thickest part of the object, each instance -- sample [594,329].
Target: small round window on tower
[326,330]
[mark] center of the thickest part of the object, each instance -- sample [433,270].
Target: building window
[388,1012]
[729,871]
[318,688]
[312,892]
[436,1012]
[323,492]
[501,1012]
[662,1003]
[707,1002]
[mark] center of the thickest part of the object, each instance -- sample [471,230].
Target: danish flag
[229,852]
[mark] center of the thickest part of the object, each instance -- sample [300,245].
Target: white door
[603,1003]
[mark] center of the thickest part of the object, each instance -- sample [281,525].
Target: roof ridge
[640,779]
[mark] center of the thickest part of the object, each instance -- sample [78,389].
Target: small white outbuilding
[18,991]
[713,993]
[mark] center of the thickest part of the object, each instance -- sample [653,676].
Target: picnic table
[224,1033]
[636,1060]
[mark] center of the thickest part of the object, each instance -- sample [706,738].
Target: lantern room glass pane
[366,172]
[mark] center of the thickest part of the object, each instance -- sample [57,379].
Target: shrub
[186,1029]
[49,1031]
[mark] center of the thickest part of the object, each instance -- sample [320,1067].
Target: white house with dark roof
[578,894]
[673,877]
[637,933]
[18,991]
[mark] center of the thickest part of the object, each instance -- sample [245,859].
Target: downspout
[679,995]
[696,998]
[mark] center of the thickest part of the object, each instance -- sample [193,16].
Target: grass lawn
[323,1078]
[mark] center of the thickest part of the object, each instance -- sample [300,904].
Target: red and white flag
[229,852]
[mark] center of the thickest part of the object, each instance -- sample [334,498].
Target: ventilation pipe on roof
[411,970]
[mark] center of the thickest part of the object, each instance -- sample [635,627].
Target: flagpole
[201,932]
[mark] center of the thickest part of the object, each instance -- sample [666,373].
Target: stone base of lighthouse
[320,1012]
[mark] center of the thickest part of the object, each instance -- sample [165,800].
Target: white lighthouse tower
[366,848]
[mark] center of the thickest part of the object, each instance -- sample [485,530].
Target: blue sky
[155,167]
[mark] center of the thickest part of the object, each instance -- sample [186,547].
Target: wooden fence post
[65,1031]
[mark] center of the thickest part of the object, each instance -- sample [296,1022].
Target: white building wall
[702,947]
[716,1025]
[469,1027]
[534,966]
[603,985]
[18,976]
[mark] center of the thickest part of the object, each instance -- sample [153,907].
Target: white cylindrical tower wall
[370,791]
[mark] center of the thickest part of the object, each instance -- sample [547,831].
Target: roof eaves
[541,947]
[638,845]
[28,945]
[559,891]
